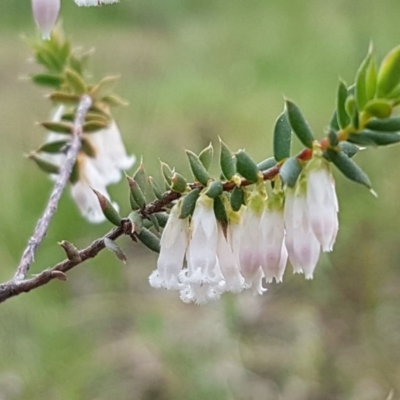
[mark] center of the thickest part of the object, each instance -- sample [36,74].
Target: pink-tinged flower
[45,13]
[322,202]
[202,276]
[97,172]
[301,243]
[90,3]
[174,242]
[228,261]
[251,254]
[273,234]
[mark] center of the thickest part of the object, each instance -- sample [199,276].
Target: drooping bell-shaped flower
[273,234]
[322,202]
[202,277]
[45,13]
[301,243]
[228,261]
[173,243]
[97,171]
[251,253]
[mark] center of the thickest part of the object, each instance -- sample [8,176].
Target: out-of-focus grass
[193,70]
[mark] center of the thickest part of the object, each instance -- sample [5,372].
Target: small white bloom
[322,203]
[45,13]
[273,233]
[90,3]
[202,277]
[95,172]
[301,243]
[251,254]
[228,259]
[174,241]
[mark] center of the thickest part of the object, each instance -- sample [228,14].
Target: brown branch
[62,180]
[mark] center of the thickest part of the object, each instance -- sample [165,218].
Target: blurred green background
[193,70]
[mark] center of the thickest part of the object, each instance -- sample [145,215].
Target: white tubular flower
[228,260]
[90,3]
[202,278]
[322,202]
[273,234]
[45,13]
[96,172]
[251,254]
[302,245]
[174,241]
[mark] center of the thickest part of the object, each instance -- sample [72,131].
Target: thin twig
[62,180]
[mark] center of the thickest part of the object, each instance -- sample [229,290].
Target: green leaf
[167,173]
[113,247]
[44,165]
[140,177]
[52,147]
[371,79]
[88,148]
[215,189]
[94,126]
[162,218]
[374,138]
[282,138]
[342,117]
[136,221]
[247,167]
[197,167]
[154,221]
[113,100]
[189,203]
[136,192]
[333,138]
[348,167]
[379,108]
[349,149]
[74,81]
[178,183]
[299,124]
[155,188]
[108,209]
[384,125]
[49,80]
[266,164]
[227,161]
[389,73]
[220,212]
[334,124]
[149,239]
[64,98]
[58,127]
[361,94]
[237,198]
[352,111]
[206,156]
[104,87]
[290,171]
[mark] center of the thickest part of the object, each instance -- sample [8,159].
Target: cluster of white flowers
[257,243]
[95,172]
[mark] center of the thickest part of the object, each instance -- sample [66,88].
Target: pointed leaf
[58,127]
[389,73]
[49,80]
[64,98]
[167,173]
[290,171]
[136,221]
[112,246]
[178,183]
[198,170]
[237,198]
[104,87]
[220,212]
[88,148]
[384,125]
[108,209]
[94,126]
[266,164]
[342,117]
[149,239]
[162,218]
[52,147]
[215,189]
[247,167]
[299,124]
[282,138]
[113,100]
[44,165]
[227,161]
[140,177]
[155,188]
[136,192]
[361,94]
[189,203]
[154,221]
[379,108]
[374,138]
[348,167]
[74,81]
[206,156]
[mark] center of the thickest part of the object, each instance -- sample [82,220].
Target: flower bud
[45,13]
